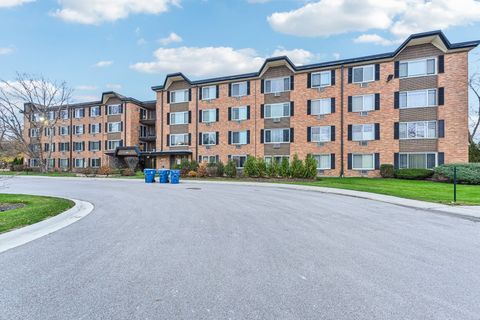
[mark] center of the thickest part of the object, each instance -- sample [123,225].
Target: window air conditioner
[364,85]
[363,113]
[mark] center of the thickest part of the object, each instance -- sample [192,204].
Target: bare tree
[30,107]
[474,84]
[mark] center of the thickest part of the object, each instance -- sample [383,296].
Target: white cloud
[5,51]
[399,17]
[214,61]
[172,38]
[98,11]
[86,87]
[113,86]
[13,3]
[103,64]
[85,98]
[258,1]
[336,55]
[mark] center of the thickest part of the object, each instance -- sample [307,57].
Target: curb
[18,237]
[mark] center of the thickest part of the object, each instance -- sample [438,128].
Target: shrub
[387,171]
[212,170]
[284,170]
[231,169]
[186,166]
[18,167]
[310,171]
[413,174]
[104,171]
[127,172]
[202,170]
[297,169]
[273,169]
[262,167]
[220,169]
[192,174]
[88,171]
[250,167]
[467,173]
[474,152]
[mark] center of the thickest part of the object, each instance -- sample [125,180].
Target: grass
[36,209]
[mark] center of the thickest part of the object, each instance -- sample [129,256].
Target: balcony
[148,117]
[148,138]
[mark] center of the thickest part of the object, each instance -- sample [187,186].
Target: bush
[220,169]
[202,170]
[467,173]
[186,166]
[212,170]
[273,169]
[387,171]
[284,170]
[18,167]
[231,169]
[474,152]
[262,167]
[104,171]
[310,171]
[250,167]
[127,172]
[192,174]
[413,174]
[297,169]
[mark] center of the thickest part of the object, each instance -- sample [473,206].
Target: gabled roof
[436,37]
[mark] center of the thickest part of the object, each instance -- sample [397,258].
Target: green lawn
[36,209]
[410,189]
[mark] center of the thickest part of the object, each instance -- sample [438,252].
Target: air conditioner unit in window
[277,146]
[238,121]
[320,144]
[209,101]
[277,94]
[207,124]
[238,146]
[276,120]
[320,89]
[364,85]
[363,113]
[238,98]
[208,147]
[363,143]
[364,172]
[320,116]
[320,172]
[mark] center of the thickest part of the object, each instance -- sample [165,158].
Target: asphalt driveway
[210,251]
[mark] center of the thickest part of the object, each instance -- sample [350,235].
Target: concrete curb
[32,232]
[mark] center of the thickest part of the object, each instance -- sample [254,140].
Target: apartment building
[408,107]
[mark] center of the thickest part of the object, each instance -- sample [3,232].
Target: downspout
[196,124]
[125,127]
[70,130]
[255,119]
[342,167]
[161,121]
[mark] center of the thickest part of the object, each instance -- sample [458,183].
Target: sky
[130,45]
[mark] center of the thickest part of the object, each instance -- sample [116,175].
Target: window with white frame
[95,162]
[179,117]
[35,117]
[95,128]
[239,160]
[277,110]
[95,111]
[321,134]
[94,145]
[79,113]
[277,135]
[277,85]
[34,163]
[321,106]
[239,137]
[114,127]
[64,114]
[363,103]
[49,147]
[239,113]
[276,159]
[418,67]
[78,146]
[324,161]
[49,131]
[209,93]
[35,147]
[208,159]
[50,163]
[239,89]
[64,130]
[179,139]
[417,160]
[209,115]
[209,138]
[363,161]
[321,79]
[418,98]
[79,163]
[418,130]
[179,96]
[63,163]
[51,115]
[364,74]
[78,129]
[34,132]
[64,146]
[363,132]
[114,109]
[114,144]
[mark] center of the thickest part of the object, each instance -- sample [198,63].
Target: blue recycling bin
[174,176]
[163,174]
[149,175]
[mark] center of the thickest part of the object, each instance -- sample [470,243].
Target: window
[78,146]
[50,163]
[114,144]
[363,162]
[64,130]
[277,85]
[179,118]
[34,132]
[209,138]
[239,89]
[49,131]
[418,98]
[64,114]
[239,160]
[363,103]
[64,146]
[51,115]
[209,93]
[179,139]
[208,159]
[363,132]
[94,145]
[115,109]
[277,110]
[321,106]
[49,147]
[417,160]
[209,115]
[79,163]
[277,135]
[324,161]
[321,79]
[35,117]
[79,113]
[95,128]
[364,74]
[34,163]
[78,129]
[239,113]
[63,163]
[277,159]
[239,137]
[95,111]
[415,68]
[418,130]
[95,162]
[320,134]
[114,127]
[179,96]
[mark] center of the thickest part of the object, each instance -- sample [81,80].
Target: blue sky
[129,45]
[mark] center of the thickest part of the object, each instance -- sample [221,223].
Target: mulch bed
[10,206]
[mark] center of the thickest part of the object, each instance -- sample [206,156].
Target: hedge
[467,173]
[413,174]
